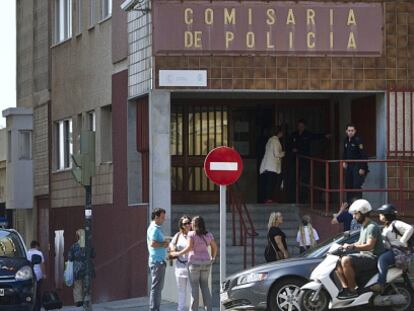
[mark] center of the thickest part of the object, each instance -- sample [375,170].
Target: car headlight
[24,273]
[252,277]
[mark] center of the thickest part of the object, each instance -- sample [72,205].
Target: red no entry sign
[223,166]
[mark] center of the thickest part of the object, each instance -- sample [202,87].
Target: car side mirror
[36,259]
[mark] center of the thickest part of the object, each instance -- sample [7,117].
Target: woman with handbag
[77,254]
[178,243]
[199,262]
[277,246]
[396,235]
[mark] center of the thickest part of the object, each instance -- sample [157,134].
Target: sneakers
[346,293]
[377,288]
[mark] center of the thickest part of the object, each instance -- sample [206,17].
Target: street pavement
[135,304]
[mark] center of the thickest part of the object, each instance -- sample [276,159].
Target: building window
[106,8]
[106,134]
[79,16]
[25,145]
[91,121]
[91,13]
[63,20]
[64,145]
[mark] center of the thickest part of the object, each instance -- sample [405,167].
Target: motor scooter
[321,293]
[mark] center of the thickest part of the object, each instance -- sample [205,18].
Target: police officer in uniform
[355,173]
[300,144]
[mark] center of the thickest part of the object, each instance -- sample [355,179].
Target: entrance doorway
[197,126]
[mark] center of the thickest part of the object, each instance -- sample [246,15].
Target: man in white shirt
[39,271]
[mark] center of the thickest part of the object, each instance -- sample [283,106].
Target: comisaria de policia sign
[272,27]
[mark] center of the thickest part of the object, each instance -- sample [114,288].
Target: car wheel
[284,295]
[308,303]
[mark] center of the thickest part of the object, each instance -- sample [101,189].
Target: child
[307,236]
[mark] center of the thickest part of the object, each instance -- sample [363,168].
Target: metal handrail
[342,190]
[247,229]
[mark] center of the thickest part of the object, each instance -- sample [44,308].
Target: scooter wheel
[309,303]
[401,288]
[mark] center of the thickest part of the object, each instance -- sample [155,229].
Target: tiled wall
[394,69]
[41,150]
[139,54]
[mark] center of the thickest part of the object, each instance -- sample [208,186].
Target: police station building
[223,72]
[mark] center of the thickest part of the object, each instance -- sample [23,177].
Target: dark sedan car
[17,280]
[275,286]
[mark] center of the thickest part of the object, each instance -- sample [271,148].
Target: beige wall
[81,76]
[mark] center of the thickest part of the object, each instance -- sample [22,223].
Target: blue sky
[7,56]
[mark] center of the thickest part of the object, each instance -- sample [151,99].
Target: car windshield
[321,249]
[10,245]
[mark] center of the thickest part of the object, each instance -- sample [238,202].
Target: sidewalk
[135,304]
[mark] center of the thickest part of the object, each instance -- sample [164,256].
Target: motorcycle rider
[396,234]
[369,245]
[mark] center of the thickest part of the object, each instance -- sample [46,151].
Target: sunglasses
[186,223]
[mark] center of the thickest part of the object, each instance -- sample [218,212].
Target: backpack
[410,242]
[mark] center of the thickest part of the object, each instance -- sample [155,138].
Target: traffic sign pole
[222,234]
[223,166]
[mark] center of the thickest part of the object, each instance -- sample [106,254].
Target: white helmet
[362,206]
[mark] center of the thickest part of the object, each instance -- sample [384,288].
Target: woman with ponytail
[307,236]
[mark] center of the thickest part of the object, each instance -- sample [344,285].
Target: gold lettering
[250,40]
[290,18]
[188,39]
[230,18]
[331,40]
[351,41]
[209,16]
[229,38]
[311,40]
[351,18]
[188,16]
[197,39]
[270,17]
[250,16]
[310,17]
[331,17]
[290,40]
[269,45]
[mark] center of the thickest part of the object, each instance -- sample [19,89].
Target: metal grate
[400,117]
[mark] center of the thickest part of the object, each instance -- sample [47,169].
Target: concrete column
[160,158]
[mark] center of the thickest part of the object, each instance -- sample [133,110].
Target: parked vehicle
[276,286]
[320,294]
[17,279]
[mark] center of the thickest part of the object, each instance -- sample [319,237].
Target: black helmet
[387,209]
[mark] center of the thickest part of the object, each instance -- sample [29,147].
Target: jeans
[199,273]
[385,260]
[182,286]
[157,284]
[38,302]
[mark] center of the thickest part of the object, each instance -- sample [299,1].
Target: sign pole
[223,166]
[222,234]
[223,230]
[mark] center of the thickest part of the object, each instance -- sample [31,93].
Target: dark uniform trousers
[353,181]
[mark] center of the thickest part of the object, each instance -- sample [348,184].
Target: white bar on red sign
[223,166]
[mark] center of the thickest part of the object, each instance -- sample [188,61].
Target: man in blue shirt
[157,250]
